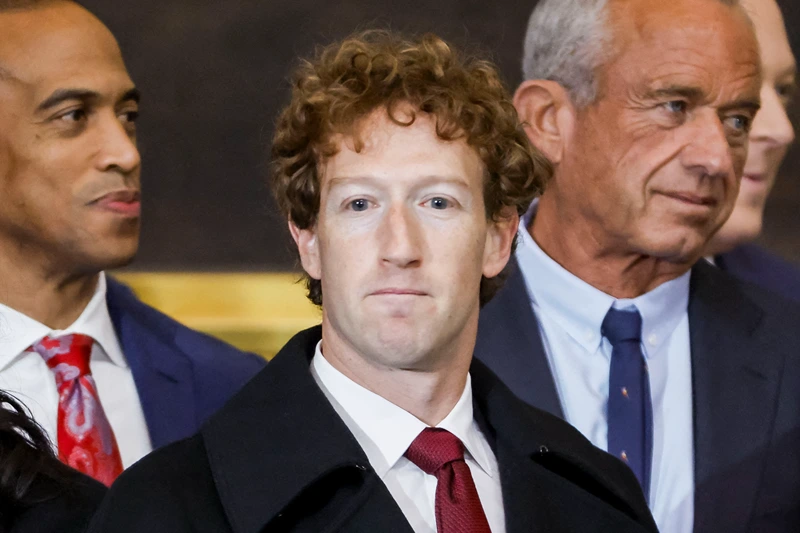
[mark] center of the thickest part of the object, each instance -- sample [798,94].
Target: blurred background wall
[214,75]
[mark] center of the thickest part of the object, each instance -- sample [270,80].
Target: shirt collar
[384,430]
[19,331]
[579,308]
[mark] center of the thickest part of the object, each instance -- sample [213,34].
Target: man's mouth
[692,199]
[123,202]
[397,291]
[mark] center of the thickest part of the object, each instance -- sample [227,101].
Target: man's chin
[683,248]
[111,257]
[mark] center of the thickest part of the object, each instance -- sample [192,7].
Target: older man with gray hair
[608,319]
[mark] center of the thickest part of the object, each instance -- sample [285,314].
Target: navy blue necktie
[630,410]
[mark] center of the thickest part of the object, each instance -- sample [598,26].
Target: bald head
[21,5]
[69,166]
[32,26]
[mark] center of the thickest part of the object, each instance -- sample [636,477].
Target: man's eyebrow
[695,94]
[425,180]
[753,104]
[132,95]
[682,91]
[63,95]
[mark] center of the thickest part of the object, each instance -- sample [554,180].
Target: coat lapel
[162,374]
[735,397]
[509,343]
[294,465]
[544,478]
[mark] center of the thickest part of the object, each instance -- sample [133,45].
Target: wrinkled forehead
[60,44]
[705,41]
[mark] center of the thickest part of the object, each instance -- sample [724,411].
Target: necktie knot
[67,355]
[433,448]
[622,326]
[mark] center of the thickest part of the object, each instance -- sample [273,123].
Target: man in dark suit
[106,376]
[608,319]
[402,171]
[770,137]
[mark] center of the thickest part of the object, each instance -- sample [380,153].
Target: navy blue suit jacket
[745,345]
[182,376]
[753,264]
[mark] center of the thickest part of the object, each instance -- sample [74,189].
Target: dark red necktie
[458,509]
[85,439]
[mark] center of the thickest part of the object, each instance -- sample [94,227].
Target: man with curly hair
[402,171]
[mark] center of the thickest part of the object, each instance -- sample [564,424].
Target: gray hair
[567,41]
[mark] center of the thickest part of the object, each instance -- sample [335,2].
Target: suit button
[543,449]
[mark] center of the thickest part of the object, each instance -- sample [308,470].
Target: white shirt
[385,431]
[570,314]
[24,373]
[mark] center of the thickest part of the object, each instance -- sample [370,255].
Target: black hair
[26,456]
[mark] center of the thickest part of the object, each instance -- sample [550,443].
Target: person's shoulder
[66,506]
[168,490]
[756,265]
[555,445]
[572,457]
[201,348]
[726,288]
[718,297]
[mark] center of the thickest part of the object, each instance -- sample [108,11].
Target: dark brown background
[213,74]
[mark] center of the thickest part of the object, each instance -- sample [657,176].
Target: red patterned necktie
[458,509]
[85,439]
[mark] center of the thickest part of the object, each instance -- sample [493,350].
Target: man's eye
[676,106]
[129,116]
[439,203]
[359,204]
[76,115]
[739,123]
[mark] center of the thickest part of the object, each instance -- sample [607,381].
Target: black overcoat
[277,458]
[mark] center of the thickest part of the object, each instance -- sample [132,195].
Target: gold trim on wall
[256,312]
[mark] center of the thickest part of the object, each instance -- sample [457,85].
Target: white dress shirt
[24,373]
[570,314]
[385,431]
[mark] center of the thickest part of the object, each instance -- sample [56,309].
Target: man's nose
[401,238]
[118,151]
[708,152]
[772,125]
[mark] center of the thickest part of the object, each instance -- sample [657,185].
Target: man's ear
[499,239]
[308,247]
[547,114]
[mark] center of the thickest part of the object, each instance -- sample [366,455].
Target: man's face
[654,163]
[69,167]
[401,243]
[772,131]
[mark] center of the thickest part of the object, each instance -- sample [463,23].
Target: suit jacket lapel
[510,344]
[162,375]
[735,396]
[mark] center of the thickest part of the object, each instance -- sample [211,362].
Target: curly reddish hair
[348,80]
